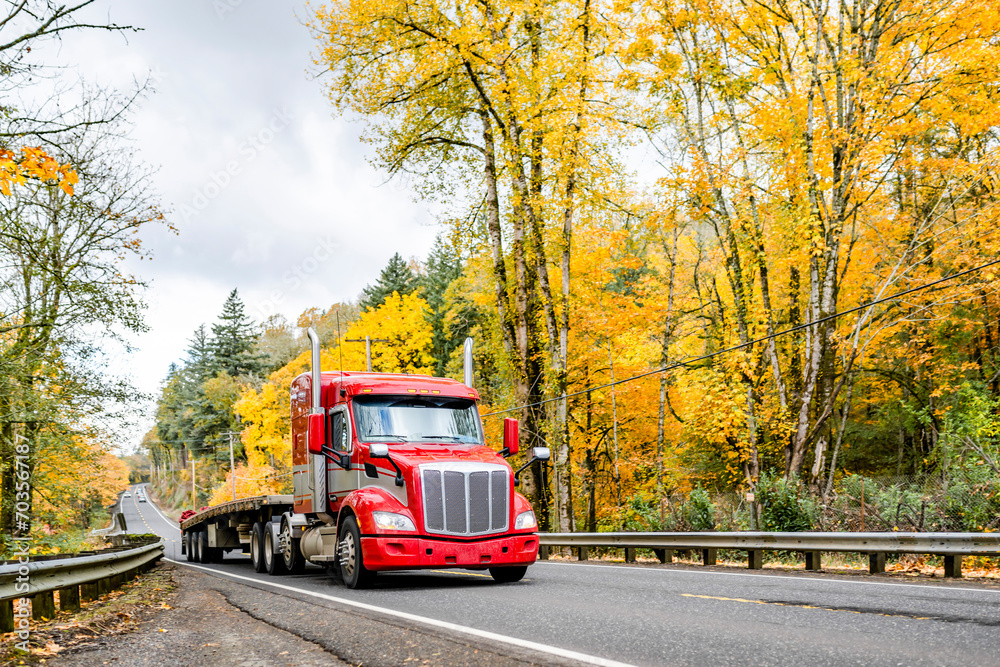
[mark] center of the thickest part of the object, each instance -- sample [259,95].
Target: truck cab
[392,472]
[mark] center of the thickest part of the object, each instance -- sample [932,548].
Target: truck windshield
[416,419]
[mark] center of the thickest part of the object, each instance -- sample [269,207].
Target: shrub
[785,506]
[698,511]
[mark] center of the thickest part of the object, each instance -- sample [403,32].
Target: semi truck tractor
[390,472]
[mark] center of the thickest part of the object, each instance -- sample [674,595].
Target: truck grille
[465,498]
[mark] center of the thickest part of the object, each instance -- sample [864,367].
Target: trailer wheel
[206,553]
[508,575]
[352,565]
[295,563]
[196,546]
[187,546]
[257,548]
[274,564]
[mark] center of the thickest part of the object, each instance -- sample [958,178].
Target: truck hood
[411,455]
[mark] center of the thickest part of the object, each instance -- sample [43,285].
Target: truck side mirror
[381,451]
[537,454]
[510,437]
[317,433]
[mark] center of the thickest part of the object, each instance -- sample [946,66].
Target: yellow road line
[805,606]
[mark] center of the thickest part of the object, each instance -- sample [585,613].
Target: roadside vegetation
[74,202]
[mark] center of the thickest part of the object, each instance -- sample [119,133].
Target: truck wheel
[257,548]
[187,546]
[508,575]
[294,561]
[352,566]
[205,552]
[273,563]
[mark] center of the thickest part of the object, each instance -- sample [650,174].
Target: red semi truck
[390,472]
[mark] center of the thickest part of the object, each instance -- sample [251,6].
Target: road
[587,613]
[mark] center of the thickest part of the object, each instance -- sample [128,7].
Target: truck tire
[196,546]
[508,575]
[273,563]
[295,563]
[352,565]
[257,548]
[187,546]
[204,551]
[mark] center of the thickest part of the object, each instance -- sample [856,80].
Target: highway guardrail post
[582,553]
[953,566]
[543,553]
[103,586]
[708,556]
[7,615]
[629,555]
[665,555]
[89,591]
[813,561]
[876,562]
[755,559]
[69,598]
[43,606]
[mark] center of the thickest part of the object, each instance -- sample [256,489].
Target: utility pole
[232,464]
[368,347]
[194,496]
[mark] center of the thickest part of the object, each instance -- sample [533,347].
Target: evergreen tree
[234,341]
[397,276]
[443,266]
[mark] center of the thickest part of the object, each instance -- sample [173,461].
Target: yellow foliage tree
[401,323]
[251,480]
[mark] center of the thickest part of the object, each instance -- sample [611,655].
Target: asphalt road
[565,612]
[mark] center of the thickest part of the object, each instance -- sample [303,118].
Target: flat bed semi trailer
[389,472]
[212,531]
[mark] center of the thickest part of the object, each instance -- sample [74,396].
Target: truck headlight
[525,520]
[393,521]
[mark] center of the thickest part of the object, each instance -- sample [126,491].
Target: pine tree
[443,266]
[234,340]
[397,276]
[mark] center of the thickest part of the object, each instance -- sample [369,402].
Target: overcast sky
[270,193]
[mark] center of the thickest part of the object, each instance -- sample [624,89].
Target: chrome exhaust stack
[316,381]
[317,462]
[468,367]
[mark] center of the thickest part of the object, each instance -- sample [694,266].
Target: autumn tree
[397,276]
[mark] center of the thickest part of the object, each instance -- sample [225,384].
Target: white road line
[475,632]
[770,576]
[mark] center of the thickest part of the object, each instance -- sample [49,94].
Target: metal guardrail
[94,575]
[953,546]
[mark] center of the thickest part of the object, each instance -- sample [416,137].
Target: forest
[730,261]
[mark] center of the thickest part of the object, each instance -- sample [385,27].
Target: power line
[798,327]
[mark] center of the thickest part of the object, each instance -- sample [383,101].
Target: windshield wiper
[452,438]
[383,436]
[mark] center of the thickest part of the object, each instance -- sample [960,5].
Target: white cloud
[302,220]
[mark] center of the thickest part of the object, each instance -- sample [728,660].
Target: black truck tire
[257,548]
[350,559]
[295,563]
[274,563]
[509,574]
[187,547]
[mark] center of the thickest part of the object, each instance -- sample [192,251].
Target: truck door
[340,482]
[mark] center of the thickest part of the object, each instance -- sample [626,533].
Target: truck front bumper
[398,552]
